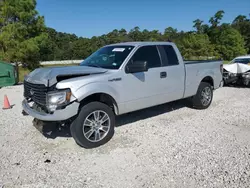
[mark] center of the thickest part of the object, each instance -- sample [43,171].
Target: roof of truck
[141,43]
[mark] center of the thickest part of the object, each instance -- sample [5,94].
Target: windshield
[109,57]
[242,60]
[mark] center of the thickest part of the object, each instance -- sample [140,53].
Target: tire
[86,129]
[198,101]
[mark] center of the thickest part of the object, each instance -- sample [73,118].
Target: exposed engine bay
[236,74]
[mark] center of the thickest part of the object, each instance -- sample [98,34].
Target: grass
[226,62]
[24,71]
[21,73]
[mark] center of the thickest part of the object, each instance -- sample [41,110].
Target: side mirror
[137,66]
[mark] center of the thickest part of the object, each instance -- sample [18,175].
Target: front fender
[93,88]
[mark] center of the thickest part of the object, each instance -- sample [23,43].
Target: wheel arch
[101,97]
[208,79]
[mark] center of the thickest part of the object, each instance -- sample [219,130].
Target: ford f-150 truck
[114,80]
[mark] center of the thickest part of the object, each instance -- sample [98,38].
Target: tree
[229,43]
[145,35]
[81,48]
[196,46]
[242,24]
[170,34]
[198,25]
[22,32]
[24,37]
[215,20]
[239,19]
[123,35]
[154,35]
[135,34]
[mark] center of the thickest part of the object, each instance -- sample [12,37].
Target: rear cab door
[173,86]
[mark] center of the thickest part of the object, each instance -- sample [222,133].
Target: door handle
[163,74]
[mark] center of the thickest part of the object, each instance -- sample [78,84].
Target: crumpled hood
[236,68]
[48,76]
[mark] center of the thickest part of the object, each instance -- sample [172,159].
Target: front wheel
[94,125]
[203,97]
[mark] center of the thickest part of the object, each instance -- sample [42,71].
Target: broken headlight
[58,98]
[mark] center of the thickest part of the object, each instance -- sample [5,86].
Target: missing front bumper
[59,115]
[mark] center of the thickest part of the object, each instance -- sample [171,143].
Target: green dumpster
[8,74]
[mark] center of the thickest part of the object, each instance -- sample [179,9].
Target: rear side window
[149,54]
[171,55]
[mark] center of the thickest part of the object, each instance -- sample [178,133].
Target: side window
[171,55]
[149,54]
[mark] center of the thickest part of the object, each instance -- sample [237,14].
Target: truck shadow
[237,86]
[133,117]
[53,130]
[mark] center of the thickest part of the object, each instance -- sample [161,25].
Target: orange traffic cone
[6,103]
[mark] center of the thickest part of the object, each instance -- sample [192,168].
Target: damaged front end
[246,78]
[44,101]
[236,74]
[48,103]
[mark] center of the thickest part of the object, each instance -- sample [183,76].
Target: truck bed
[197,70]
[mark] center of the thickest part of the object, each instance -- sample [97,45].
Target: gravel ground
[166,146]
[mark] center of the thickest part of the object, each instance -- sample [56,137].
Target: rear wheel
[203,97]
[94,125]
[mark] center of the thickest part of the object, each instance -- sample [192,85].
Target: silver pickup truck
[114,80]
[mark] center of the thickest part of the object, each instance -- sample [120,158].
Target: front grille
[37,92]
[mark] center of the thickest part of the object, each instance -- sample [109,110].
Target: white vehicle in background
[242,59]
[237,71]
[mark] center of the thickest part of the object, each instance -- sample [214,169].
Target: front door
[142,89]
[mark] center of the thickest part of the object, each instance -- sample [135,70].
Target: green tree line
[25,38]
